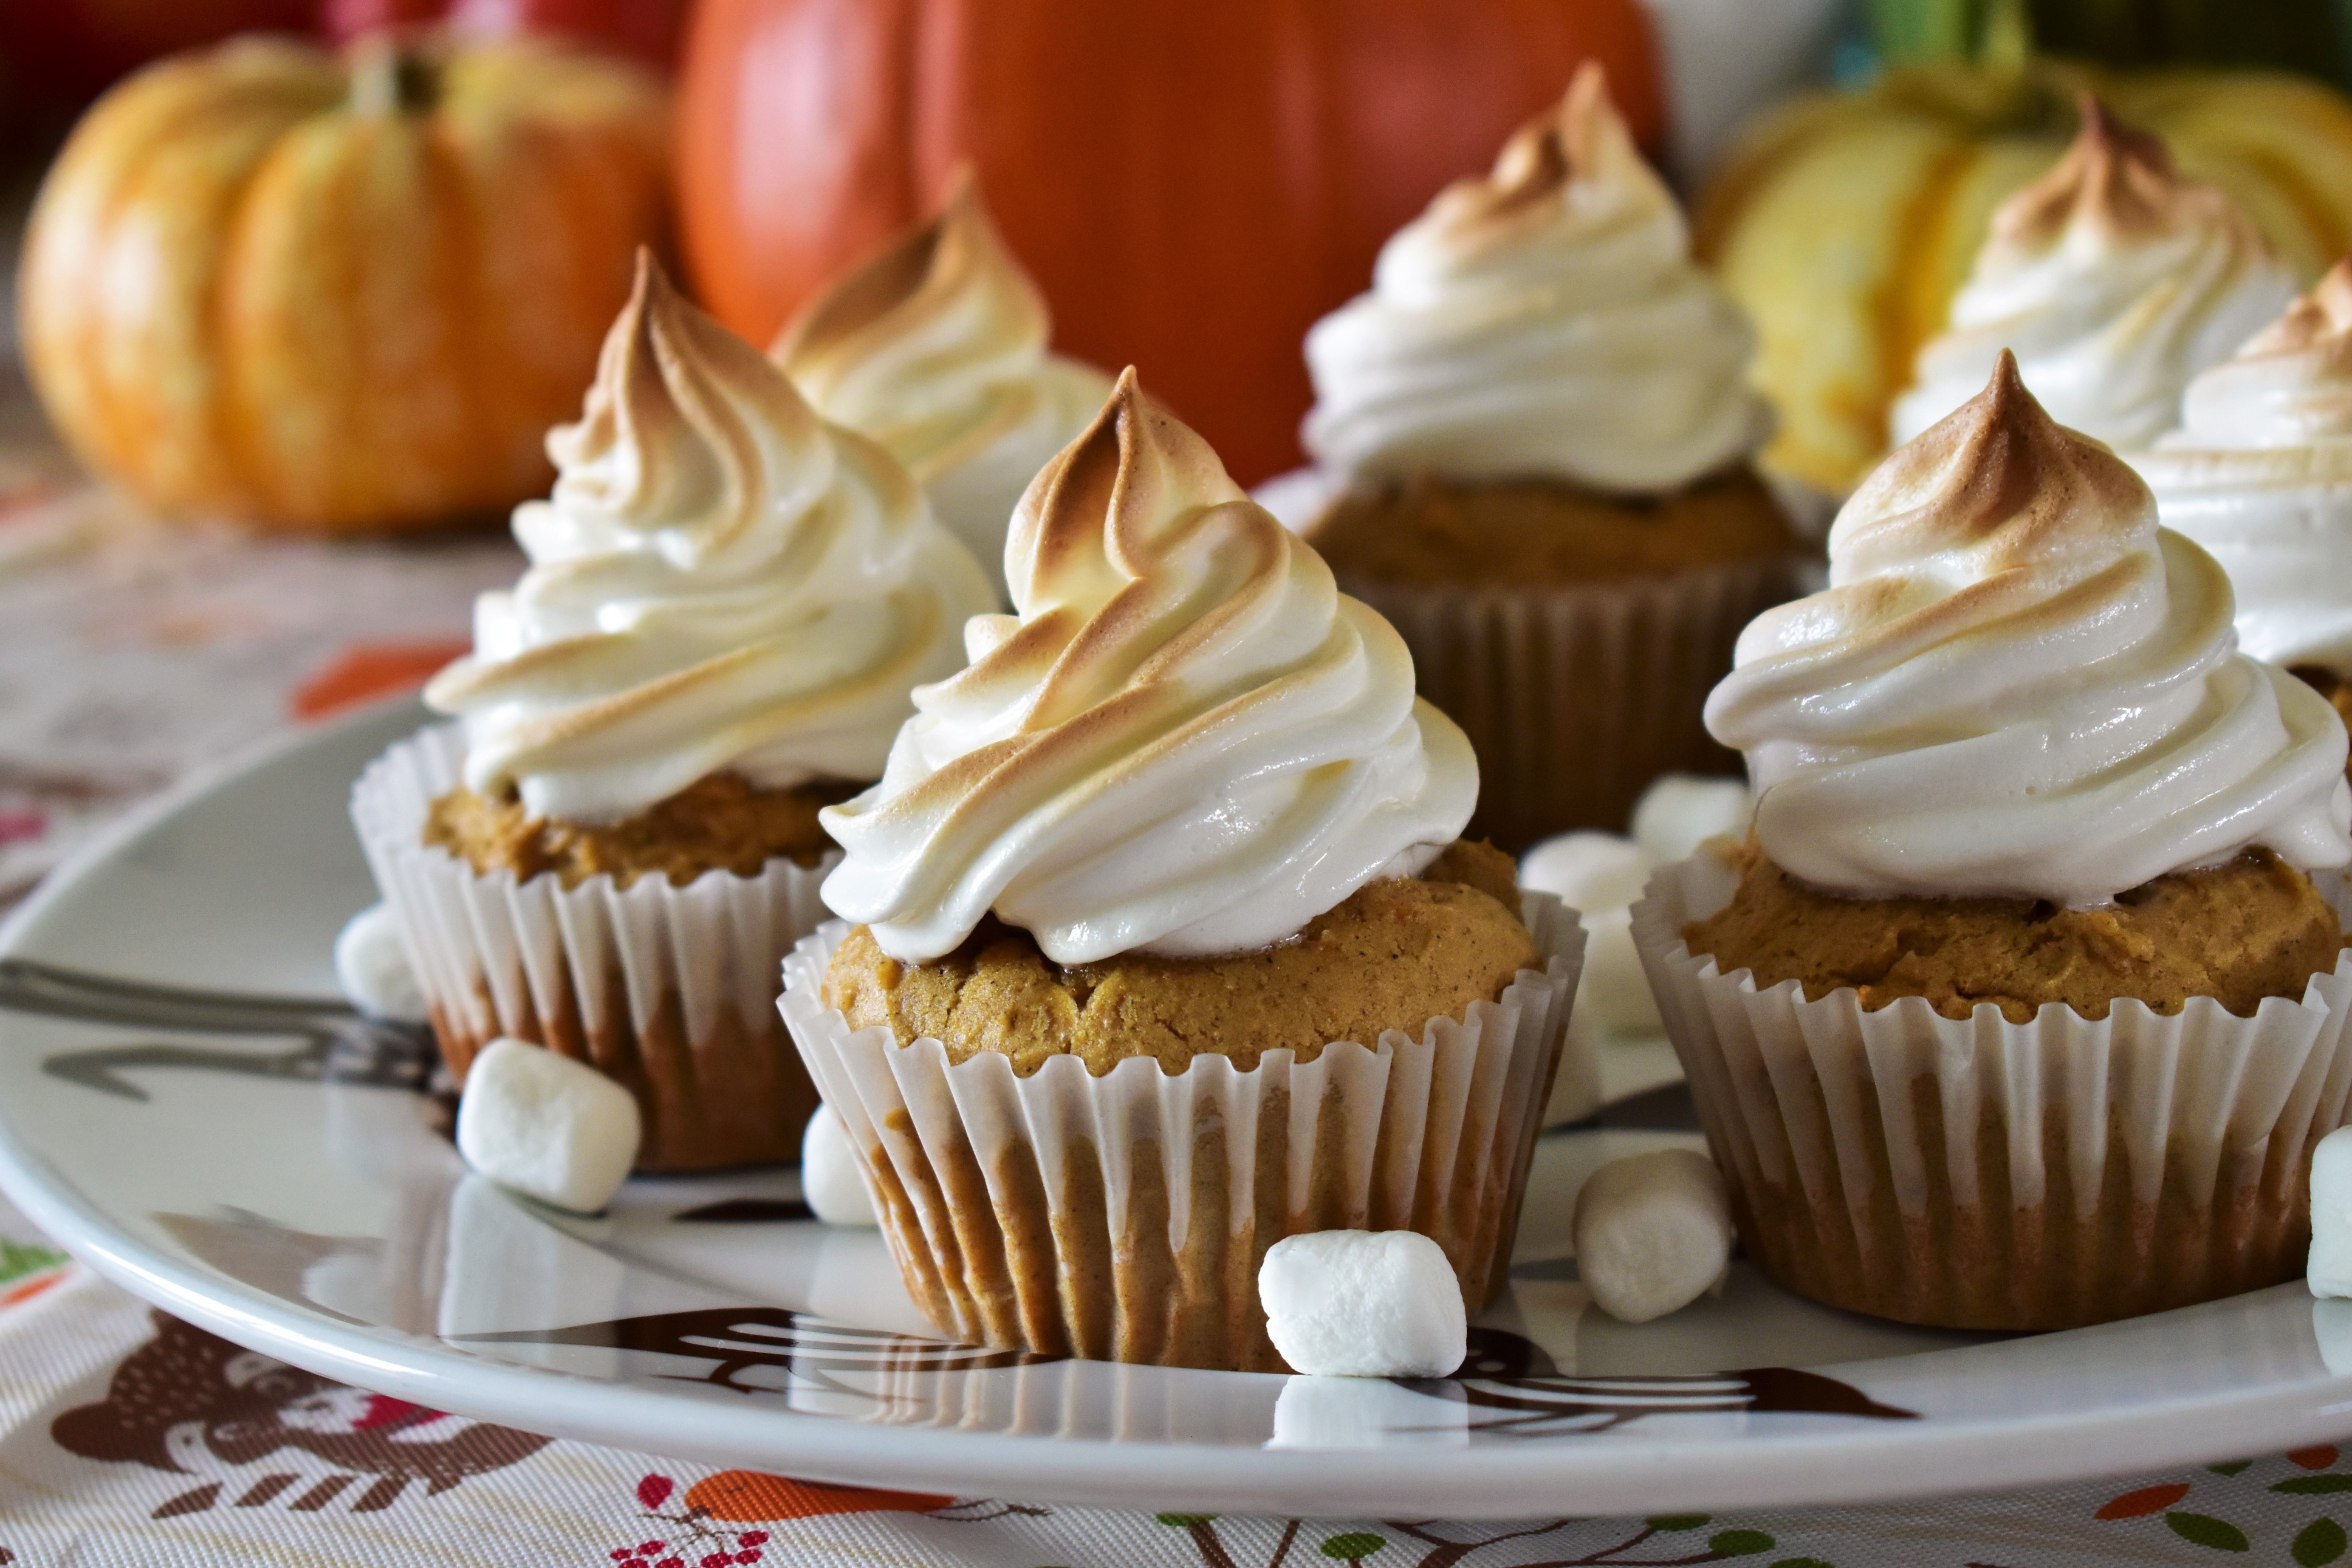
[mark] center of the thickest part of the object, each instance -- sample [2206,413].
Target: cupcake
[2020,1009]
[1541,417]
[936,349]
[1158,942]
[727,603]
[2259,473]
[2114,279]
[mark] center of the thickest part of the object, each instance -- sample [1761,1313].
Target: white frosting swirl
[1186,740]
[2018,685]
[2114,279]
[936,349]
[2259,473]
[720,581]
[1543,320]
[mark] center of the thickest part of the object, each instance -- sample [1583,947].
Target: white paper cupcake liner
[1123,1217]
[1575,696]
[1981,1173]
[671,991]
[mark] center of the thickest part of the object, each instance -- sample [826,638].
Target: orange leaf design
[2318,1457]
[741,1497]
[367,671]
[2145,1501]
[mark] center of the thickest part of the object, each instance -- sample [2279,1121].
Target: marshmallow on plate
[1600,875]
[2330,1269]
[372,965]
[1363,1303]
[1653,1234]
[547,1126]
[831,1184]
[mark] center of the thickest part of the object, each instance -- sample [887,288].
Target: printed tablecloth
[131,655]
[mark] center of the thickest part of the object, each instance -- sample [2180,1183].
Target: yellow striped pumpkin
[1845,222]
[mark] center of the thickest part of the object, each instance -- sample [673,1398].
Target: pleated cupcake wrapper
[1575,696]
[1980,1174]
[1123,1217]
[671,991]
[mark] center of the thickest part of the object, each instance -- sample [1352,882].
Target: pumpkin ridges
[76,314]
[329,356]
[1906,309]
[2283,147]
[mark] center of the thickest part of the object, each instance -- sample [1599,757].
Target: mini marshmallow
[372,965]
[1363,1303]
[1682,811]
[1599,875]
[831,1182]
[1653,1234]
[2330,1269]
[547,1126]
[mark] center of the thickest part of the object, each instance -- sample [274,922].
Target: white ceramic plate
[266,1166]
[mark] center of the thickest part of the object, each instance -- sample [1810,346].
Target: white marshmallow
[1599,875]
[1653,1234]
[831,1182]
[1682,811]
[1363,1303]
[2330,1267]
[1364,1413]
[547,1126]
[372,965]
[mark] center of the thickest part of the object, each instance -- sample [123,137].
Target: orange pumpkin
[1192,182]
[313,294]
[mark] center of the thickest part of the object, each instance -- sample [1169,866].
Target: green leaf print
[2322,1541]
[1663,1522]
[1354,1546]
[2204,1529]
[18,1259]
[2312,1486]
[1738,1542]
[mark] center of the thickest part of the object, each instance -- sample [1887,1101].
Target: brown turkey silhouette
[194,1404]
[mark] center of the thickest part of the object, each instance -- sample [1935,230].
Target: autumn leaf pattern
[2319,1540]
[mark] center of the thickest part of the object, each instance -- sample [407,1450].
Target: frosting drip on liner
[2114,279]
[2018,685]
[2261,475]
[719,580]
[1544,319]
[1185,742]
[936,349]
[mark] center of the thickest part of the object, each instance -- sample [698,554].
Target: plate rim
[1626,1473]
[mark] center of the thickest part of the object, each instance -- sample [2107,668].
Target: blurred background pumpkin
[1845,221]
[1192,181]
[646,29]
[263,283]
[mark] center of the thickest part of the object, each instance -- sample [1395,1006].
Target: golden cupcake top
[937,348]
[1184,740]
[718,580]
[2114,279]
[2017,685]
[1542,321]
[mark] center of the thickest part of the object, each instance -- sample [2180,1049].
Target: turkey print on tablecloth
[250,1431]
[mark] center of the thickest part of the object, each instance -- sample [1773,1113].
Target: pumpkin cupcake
[2259,473]
[2020,1009]
[1159,945]
[1542,418]
[727,603]
[2114,279]
[936,349]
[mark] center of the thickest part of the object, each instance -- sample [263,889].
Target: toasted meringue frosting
[1543,320]
[719,580]
[1185,740]
[2018,685]
[2114,279]
[2259,473]
[936,348]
